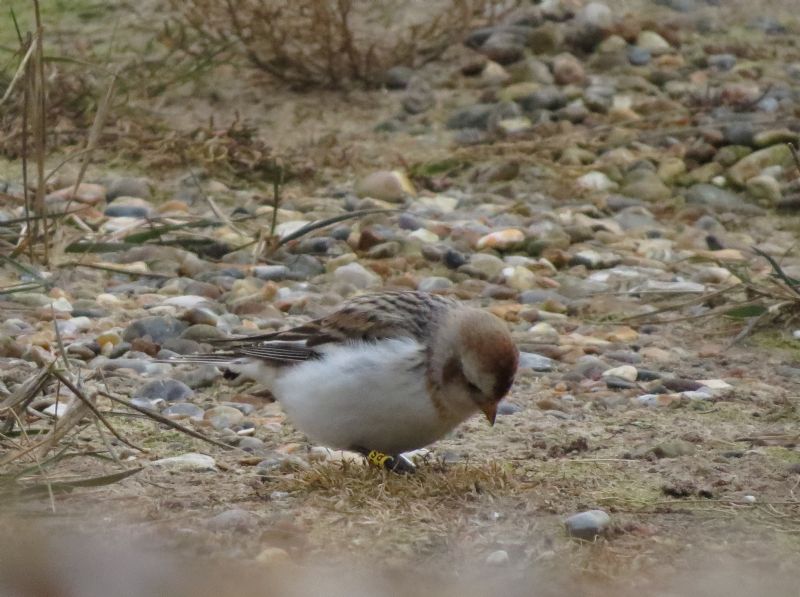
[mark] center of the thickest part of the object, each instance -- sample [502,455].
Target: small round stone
[497,558]
[223,417]
[184,410]
[169,390]
[232,520]
[357,275]
[587,525]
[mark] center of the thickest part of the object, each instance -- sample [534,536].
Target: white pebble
[497,558]
[190,461]
[626,372]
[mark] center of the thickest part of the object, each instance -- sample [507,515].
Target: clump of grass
[330,44]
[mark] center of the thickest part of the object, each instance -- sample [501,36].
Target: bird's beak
[490,410]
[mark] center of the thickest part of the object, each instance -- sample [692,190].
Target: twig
[79,394]
[94,134]
[38,465]
[166,421]
[21,69]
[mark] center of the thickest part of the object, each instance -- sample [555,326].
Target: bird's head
[482,359]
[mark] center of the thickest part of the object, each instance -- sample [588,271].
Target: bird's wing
[392,314]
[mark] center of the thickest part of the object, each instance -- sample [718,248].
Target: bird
[387,373]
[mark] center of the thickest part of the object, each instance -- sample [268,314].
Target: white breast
[364,395]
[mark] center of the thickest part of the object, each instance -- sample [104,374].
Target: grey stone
[419,97]
[158,329]
[169,390]
[587,525]
[714,197]
[471,117]
[235,519]
[128,187]
[503,47]
[739,133]
[251,444]
[587,367]
[184,410]
[187,462]
[639,56]
[536,362]
[303,267]
[432,283]
[398,77]
[722,62]
[129,207]
[547,98]
[202,332]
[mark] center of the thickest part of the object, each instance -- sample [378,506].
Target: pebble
[251,444]
[168,390]
[398,77]
[765,188]
[357,275]
[754,163]
[128,187]
[156,329]
[471,117]
[639,56]
[278,462]
[568,70]
[273,556]
[588,525]
[500,240]
[129,207]
[235,519]
[184,410]
[223,417]
[487,265]
[189,462]
[434,283]
[536,362]
[714,197]
[497,558]
[624,372]
[393,186]
[652,42]
[520,278]
[596,181]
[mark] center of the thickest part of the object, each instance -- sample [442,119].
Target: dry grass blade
[21,70]
[793,285]
[62,426]
[166,421]
[62,485]
[329,44]
[94,133]
[22,396]
[90,405]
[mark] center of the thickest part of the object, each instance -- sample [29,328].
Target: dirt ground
[723,520]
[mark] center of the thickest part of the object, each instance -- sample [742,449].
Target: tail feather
[208,359]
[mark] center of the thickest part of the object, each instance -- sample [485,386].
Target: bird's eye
[473,387]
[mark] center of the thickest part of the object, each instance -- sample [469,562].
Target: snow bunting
[385,374]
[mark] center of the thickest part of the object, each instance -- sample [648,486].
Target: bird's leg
[396,464]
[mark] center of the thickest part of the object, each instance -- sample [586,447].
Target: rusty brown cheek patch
[450,371]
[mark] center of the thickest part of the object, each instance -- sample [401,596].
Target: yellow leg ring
[378,458]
